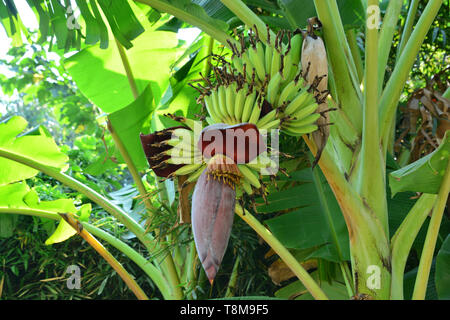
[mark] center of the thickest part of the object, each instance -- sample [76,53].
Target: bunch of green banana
[233,103]
[276,68]
[262,61]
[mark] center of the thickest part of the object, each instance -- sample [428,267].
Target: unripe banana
[296,46]
[187,169]
[210,121]
[216,105]
[296,104]
[194,176]
[312,118]
[290,91]
[237,63]
[267,118]
[254,117]
[250,68]
[273,88]
[287,67]
[305,111]
[257,57]
[230,92]
[246,186]
[211,110]
[223,102]
[268,58]
[270,125]
[276,63]
[249,175]
[299,131]
[248,106]
[239,103]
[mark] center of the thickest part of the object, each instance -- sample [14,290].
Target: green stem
[191,268]
[127,67]
[369,245]
[354,49]
[132,168]
[168,263]
[192,19]
[233,279]
[247,16]
[371,181]
[340,32]
[393,90]
[407,29]
[283,253]
[347,278]
[403,239]
[101,250]
[154,273]
[144,264]
[386,35]
[91,194]
[420,287]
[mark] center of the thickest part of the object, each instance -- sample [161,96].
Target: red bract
[153,145]
[212,214]
[242,142]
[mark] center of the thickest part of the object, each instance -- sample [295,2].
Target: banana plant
[310,83]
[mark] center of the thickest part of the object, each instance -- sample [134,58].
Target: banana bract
[213,203]
[154,148]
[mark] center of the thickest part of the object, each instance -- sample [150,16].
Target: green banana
[312,118]
[273,88]
[248,106]
[297,102]
[270,125]
[267,118]
[305,111]
[299,131]
[249,175]
[239,103]
[230,96]
[254,117]
[187,169]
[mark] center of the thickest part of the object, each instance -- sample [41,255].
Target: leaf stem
[283,253]
[393,90]
[91,194]
[168,262]
[116,265]
[371,184]
[426,259]
[407,29]
[233,279]
[214,32]
[153,272]
[127,67]
[386,35]
[354,49]
[247,16]
[403,239]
